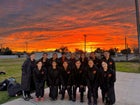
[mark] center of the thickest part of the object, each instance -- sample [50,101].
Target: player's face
[90,63]
[65,64]
[78,64]
[39,64]
[54,64]
[104,64]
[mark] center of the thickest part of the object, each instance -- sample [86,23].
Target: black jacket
[107,79]
[96,61]
[111,64]
[92,76]
[72,62]
[61,60]
[78,76]
[39,75]
[66,76]
[46,64]
[51,60]
[84,62]
[27,73]
[54,76]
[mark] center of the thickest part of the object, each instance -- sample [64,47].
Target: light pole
[138,26]
[85,42]
[126,48]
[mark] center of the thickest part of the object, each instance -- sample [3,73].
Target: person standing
[78,80]
[54,58]
[110,62]
[60,64]
[84,60]
[45,64]
[27,76]
[72,60]
[66,74]
[39,79]
[54,78]
[92,77]
[45,60]
[97,62]
[107,80]
[62,59]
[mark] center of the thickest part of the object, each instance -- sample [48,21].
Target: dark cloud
[62,15]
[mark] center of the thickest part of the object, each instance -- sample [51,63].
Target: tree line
[113,51]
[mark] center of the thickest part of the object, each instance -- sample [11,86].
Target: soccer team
[63,74]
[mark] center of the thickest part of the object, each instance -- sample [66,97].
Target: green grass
[12,67]
[131,67]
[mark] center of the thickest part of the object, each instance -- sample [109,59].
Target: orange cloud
[47,25]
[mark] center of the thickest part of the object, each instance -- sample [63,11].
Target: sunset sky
[50,24]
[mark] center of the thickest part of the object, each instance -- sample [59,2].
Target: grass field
[12,67]
[131,67]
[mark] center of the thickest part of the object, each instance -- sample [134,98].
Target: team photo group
[70,74]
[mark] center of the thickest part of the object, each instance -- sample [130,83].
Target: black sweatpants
[69,90]
[39,89]
[92,92]
[81,90]
[53,92]
[110,93]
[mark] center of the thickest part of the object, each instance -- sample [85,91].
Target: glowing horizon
[48,25]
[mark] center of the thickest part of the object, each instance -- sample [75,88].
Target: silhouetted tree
[126,51]
[113,51]
[99,50]
[6,51]
[78,51]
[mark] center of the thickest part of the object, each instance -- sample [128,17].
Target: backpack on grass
[11,86]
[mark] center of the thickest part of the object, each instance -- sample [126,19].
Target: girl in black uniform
[54,78]
[27,82]
[92,78]
[107,80]
[39,79]
[84,60]
[66,74]
[78,80]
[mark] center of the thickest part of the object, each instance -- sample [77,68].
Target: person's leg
[69,89]
[74,93]
[55,92]
[81,90]
[42,91]
[96,91]
[94,96]
[111,95]
[102,93]
[60,88]
[29,95]
[89,95]
[37,93]
[24,94]
[63,92]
